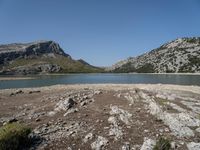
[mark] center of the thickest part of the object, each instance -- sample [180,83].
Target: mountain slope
[39,57]
[180,55]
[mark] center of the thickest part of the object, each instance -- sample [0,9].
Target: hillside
[180,55]
[39,57]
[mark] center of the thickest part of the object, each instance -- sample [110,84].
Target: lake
[46,80]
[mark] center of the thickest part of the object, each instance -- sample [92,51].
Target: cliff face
[180,55]
[11,52]
[38,57]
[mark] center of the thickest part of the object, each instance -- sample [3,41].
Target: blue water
[46,80]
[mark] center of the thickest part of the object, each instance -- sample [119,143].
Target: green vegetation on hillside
[67,64]
[128,67]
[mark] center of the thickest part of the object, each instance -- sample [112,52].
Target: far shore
[15,78]
[21,77]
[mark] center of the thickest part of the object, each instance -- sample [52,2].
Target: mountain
[40,57]
[180,55]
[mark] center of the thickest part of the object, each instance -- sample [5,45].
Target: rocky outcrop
[180,55]
[11,52]
[33,69]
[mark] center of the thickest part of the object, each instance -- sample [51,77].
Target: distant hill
[180,55]
[40,57]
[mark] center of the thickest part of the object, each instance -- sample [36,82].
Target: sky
[101,32]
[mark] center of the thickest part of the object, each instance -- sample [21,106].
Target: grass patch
[162,144]
[14,136]
[161,101]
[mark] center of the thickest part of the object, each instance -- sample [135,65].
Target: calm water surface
[46,80]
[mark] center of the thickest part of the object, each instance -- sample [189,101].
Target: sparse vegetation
[14,136]
[67,64]
[128,67]
[162,144]
[147,68]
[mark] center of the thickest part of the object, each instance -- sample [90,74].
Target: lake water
[46,80]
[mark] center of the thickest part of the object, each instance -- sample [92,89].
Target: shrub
[162,144]
[14,136]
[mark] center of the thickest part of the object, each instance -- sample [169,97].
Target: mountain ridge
[179,55]
[39,57]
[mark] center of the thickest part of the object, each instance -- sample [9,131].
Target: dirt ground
[106,116]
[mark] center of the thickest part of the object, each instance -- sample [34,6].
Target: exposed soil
[106,116]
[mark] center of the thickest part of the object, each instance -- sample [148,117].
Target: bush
[162,144]
[14,136]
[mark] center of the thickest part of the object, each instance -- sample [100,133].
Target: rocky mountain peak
[180,55]
[9,52]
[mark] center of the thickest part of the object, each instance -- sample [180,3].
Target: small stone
[83,103]
[31,92]
[65,105]
[98,92]
[88,137]
[11,120]
[161,130]
[38,119]
[148,144]
[193,146]
[85,115]
[173,145]
[19,92]
[166,130]
[12,94]
[99,143]
[126,146]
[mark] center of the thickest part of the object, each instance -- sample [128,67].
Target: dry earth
[106,116]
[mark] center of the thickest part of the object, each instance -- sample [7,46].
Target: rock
[83,103]
[198,130]
[51,113]
[31,92]
[97,92]
[10,120]
[12,94]
[99,143]
[65,105]
[73,110]
[126,146]
[148,144]
[88,137]
[17,92]
[177,122]
[193,146]
[38,119]
[69,148]
[173,145]
[124,116]
[114,128]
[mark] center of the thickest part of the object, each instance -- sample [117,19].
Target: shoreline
[16,78]
[31,77]
[171,87]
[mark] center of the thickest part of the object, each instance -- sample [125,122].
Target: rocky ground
[106,116]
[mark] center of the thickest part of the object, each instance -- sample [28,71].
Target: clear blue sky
[101,32]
